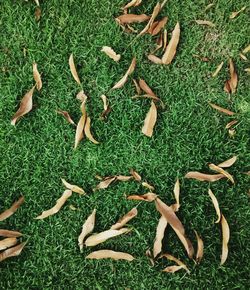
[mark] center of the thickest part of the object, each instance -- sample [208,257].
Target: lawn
[38,151]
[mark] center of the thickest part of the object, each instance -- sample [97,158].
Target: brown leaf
[132,18]
[123,80]
[73,69]
[222,171]
[144,86]
[97,239]
[165,39]
[216,205]
[231,84]
[150,121]
[6,243]
[9,234]
[150,256]
[160,25]
[37,77]
[125,219]
[225,239]
[236,13]
[81,124]
[155,59]
[66,116]
[228,163]
[87,228]
[156,11]
[230,124]
[73,187]
[150,196]
[176,206]
[247,49]
[132,3]
[111,53]
[136,175]
[172,269]
[106,107]
[10,211]
[12,252]
[200,248]
[205,22]
[160,230]
[172,46]
[25,106]
[222,110]
[38,13]
[204,177]
[88,132]
[108,254]
[177,261]
[123,177]
[218,69]
[59,203]
[81,96]
[137,87]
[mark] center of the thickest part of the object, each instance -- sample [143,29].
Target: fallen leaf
[230,124]
[147,185]
[37,77]
[111,53]
[156,11]
[204,177]
[222,110]
[165,39]
[155,59]
[12,252]
[132,3]
[81,96]
[81,124]
[88,132]
[10,234]
[105,183]
[108,254]
[176,206]
[125,219]
[225,239]
[236,13]
[25,106]
[7,243]
[160,230]
[150,256]
[216,205]
[228,162]
[150,121]
[218,69]
[38,13]
[172,46]
[231,84]
[247,49]
[123,177]
[172,269]
[136,175]
[205,22]
[177,261]
[59,203]
[144,86]
[97,239]
[66,116]
[160,25]
[242,56]
[73,69]
[200,248]
[87,228]
[222,171]
[72,187]
[132,18]
[123,80]
[150,196]
[10,211]
[137,87]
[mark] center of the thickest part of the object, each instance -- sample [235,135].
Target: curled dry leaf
[25,106]
[222,110]
[132,3]
[123,177]
[123,80]
[66,116]
[111,53]
[150,196]
[236,13]
[247,49]
[204,177]
[10,211]
[155,59]
[230,124]
[160,230]
[73,69]
[88,132]
[87,228]
[7,243]
[231,84]
[10,234]
[216,205]
[225,239]
[136,175]
[105,183]
[12,252]
[97,239]
[37,77]
[218,69]
[156,11]
[228,162]
[73,187]
[59,203]
[150,121]
[200,248]
[222,171]
[132,18]
[172,46]
[205,22]
[177,261]
[108,254]
[125,219]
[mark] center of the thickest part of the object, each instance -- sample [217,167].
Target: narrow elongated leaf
[81,124]
[97,239]
[145,87]
[6,243]
[132,18]
[132,3]
[73,187]
[222,110]
[125,219]
[155,59]
[88,132]
[221,171]
[59,203]
[216,205]
[156,11]
[177,261]
[225,239]
[200,248]
[73,69]
[231,84]
[10,211]
[66,116]
[150,196]
[136,175]
[10,234]
[172,269]
[25,106]
[236,13]
[204,177]
[150,121]
[37,77]
[87,228]
[105,183]
[108,254]
[228,163]
[218,69]
[205,22]
[230,124]
[123,80]
[111,53]
[12,252]
[160,230]
[172,46]
[176,206]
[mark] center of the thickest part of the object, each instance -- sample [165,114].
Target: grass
[189,134]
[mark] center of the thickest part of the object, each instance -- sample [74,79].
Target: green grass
[39,150]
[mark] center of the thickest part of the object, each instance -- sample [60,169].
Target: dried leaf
[225,239]
[149,255]
[144,86]
[222,110]
[222,171]
[176,206]
[38,13]
[242,56]
[105,183]
[106,107]
[231,84]
[73,69]
[10,234]
[81,124]
[136,175]
[123,177]
[150,196]
[247,49]
[228,162]
[147,185]
[6,243]
[204,177]
[156,11]
[137,87]
[132,3]
[216,205]
[177,261]
[108,254]
[172,269]
[160,25]
[37,77]
[25,106]
[205,22]
[200,248]
[88,132]
[132,18]
[218,69]
[172,46]
[66,116]
[87,228]
[150,121]
[125,219]
[155,59]
[235,14]
[111,53]
[230,124]
[12,252]
[72,187]
[165,39]
[160,230]
[97,239]
[81,96]
[10,211]
[123,80]
[59,203]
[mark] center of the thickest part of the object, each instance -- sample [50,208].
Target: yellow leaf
[221,171]
[247,49]
[156,11]
[236,13]
[111,53]
[6,243]
[12,252]
[205,22]
[177,261]
[228,162]
[160,230]
[222,110]
[200,248]
[218,69]
[155,59]
[10,234]
[145,197]
[132,18]
[204,177]
[105,254]
[73,69]
[66,116]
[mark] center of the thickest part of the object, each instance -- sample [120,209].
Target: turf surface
[39,150]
